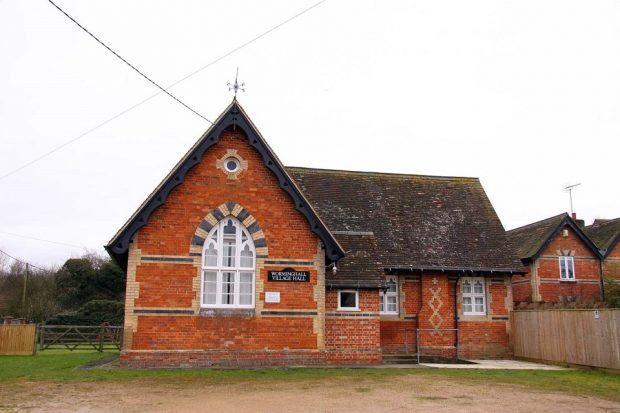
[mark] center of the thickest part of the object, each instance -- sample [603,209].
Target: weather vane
[236,86]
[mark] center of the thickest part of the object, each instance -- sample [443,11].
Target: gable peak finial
[236,87]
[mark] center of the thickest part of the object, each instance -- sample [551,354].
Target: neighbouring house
[605,233]
[236,260]
[561,261]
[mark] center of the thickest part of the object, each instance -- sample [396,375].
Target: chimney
[580,222]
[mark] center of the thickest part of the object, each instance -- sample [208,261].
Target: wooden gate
[585,337]
[100,338]
[17,339]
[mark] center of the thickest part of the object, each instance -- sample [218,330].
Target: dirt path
[405,393]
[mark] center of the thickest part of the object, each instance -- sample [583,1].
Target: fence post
[41,336]
[36,339]
[101,338]
[417,343]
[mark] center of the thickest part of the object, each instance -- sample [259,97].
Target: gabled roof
[233,116]
[419,222]
[605,234]
[530,240]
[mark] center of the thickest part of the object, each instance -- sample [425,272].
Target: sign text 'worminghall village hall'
[236,260]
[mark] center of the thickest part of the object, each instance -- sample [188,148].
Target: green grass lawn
[59,366]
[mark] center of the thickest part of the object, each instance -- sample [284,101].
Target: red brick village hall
[237,260]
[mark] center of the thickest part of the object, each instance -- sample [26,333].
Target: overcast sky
[524,95]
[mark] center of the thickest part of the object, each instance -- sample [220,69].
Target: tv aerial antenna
[569,188]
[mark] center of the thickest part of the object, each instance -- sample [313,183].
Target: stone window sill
[227,312]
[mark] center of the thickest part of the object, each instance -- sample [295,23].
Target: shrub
[92,313]
[612,293]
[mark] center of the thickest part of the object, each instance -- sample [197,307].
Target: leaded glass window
[228,266]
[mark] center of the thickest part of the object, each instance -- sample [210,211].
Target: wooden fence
[100,338]
[17,339]
[584,337]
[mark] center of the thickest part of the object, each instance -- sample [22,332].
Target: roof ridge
[359,233]
[605,222]
[538,222]
[394,174]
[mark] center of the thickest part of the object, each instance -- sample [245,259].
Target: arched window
[228,266]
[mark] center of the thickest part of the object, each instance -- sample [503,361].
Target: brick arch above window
[231,208]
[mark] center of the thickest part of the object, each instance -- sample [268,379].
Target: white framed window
[474,296]
[388,298]
[567,268]
[228,267]
[348,300]
[231,164]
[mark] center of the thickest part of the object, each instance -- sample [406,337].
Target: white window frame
[568,260]
[357,300]
[217,241]
[384,294]
[473,295]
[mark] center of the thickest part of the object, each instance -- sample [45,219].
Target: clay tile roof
[419,222]
[604,232]
[529,239]
[361,267]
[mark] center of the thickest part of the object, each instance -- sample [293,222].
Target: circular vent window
[231,165]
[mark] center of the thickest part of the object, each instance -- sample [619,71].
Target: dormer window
[228,267]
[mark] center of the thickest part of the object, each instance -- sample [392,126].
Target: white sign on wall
[272,296]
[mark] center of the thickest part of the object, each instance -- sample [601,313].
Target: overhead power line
[130,108]
[22,261]
[127,63]
[42,240]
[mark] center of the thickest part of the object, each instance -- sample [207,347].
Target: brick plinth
[218,358]
[483,339]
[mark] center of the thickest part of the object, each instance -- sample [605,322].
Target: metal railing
[456,341]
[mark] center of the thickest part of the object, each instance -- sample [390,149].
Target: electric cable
[127,63]
[195,72]
[22,261]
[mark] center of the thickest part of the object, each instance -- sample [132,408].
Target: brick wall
[611,264]
[586,285]
[488,336]
[522,286]
[398,332]
[542,282]
[353,337]
[428,302]
[437,313]
[164,322]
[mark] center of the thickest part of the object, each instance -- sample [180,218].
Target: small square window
[348,300]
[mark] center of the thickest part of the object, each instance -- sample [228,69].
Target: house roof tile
[604,233]
[361,267]
[418,221]
[529,239]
